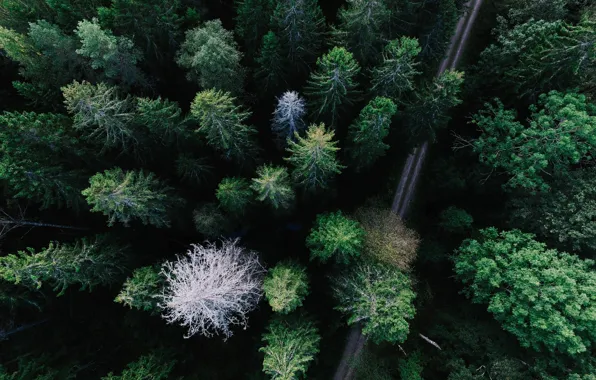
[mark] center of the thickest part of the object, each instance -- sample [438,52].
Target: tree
[455,220]
[428,111]
[285,287]
[124,196]
[193,170]
[559,133]
[290,346]
[87,262]
[212,59]
[544,297]
[288,117]
[335,235]
[212,289]
[234,195]
[252,21]
[142,290]
[363,27]
[333,84]
[439,24]
[378,296]
[520,11]
[222,123]
[162,117]
[300,25]
[210,220]
[151,366]
[366,134]
[271,68]
[387,239]
[314,158]
[394,76]
[272,185]
[116,57]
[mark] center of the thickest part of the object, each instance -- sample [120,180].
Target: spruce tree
[271,69]
[162,117]
[152,366]
[333,84]
[288,117]
[335,236]
[285,287]
[366,133]
[142,290]
[252,22]
[125,196]
[314,158]
[394,76]
[272,185]
[192,170]
[234,195]
[210,220]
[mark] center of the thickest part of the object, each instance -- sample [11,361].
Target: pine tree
[252,22]
[271,68]
[335,235]
[88,263]
[222,123]
[234,195]
[272,185]
[285,287]
[366,133]
[288,117]
[395,75]
[212,59]
[333,84]
[143,290]
[314,158]
[124,196]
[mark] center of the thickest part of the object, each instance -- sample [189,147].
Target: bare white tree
[288,116]
[211,289]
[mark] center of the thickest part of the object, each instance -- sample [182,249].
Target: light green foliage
[333,84]
[314,158]
[565,214]
[100,115]
[222,123]
[143,290]
[285,287]
[192,170]
[212,59]
[455,220]
[272,185]
[394,76]
[210,220]
[366,134]
[162,117]
[335,235]
[560,133]
[87,262]
[124,196]
[429,110]
[116,57]
[411,367]
[378,296]
[234,195]
[252,21]
[362,28]
[148,367]
[290,347]
[271,66]
[546,298]
[300,26]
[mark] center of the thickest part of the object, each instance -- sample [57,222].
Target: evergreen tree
[152,366]
[162,117]
[272,185]
[234,195]
[546,298]
[222,123]
[288,117]
[520,11]
[439,23]
[285,287]
[192,170]
[366,134]
[210,220]
[335,235]
[212,59]
[455,220]
[289,348]
[394,76]
[379,297]
[271,68]
[252,22]
[123,196]
[314,158]
[333,84]
[362,29]
[143,290]
[88,263]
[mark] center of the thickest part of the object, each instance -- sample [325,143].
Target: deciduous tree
[395,75]
[285,287]
[455,220]
[335,235]
[272,185]
[234,195]
[288,117]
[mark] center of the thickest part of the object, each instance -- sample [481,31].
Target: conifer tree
[124,196]
[143,290]
[212,59]
[333,84]
[252,22]
[335,235]
[222,123]
[314,158]
[272,185]
[152,366]
[87,262]
[394,76]
[288,117]
[366,134]
[234,195]
[210,220]
[162,117]
[285,287]
[438,29]
[271,68]
[193,170]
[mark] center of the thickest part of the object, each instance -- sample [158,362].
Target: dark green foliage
[148,367]
[335,235]
[411,367]
[520,11]
[366,133]
[455,220]
[438,26]
[210,220]
[271,65]
[394,76]
[285,287]
[88,263]
[272,185]
[35,369]
[369,366]
[234,195]
[143,290]
[290,346]
[252,21]
[162,118]
[544,297]
[192,170]
[125,196]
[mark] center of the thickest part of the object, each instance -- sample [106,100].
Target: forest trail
[410,174]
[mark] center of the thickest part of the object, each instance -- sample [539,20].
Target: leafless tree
[212,288]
